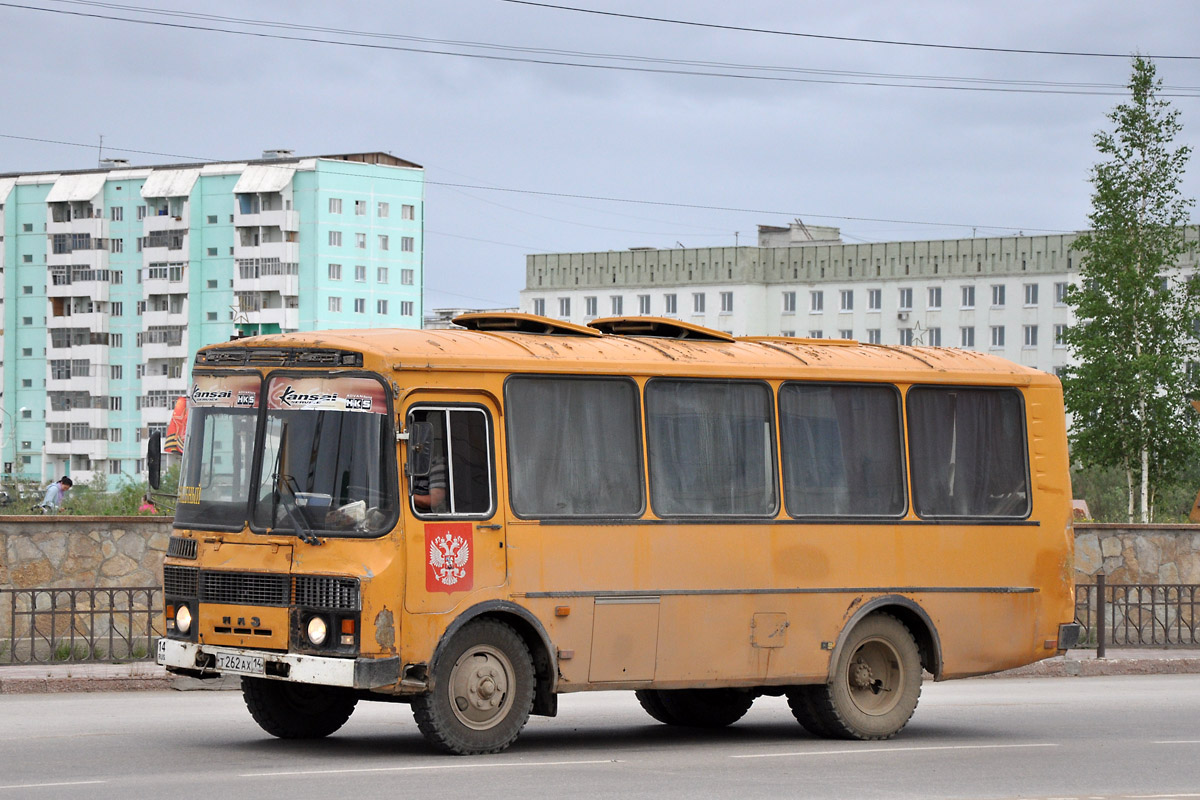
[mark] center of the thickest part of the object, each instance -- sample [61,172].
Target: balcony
[97,227]
[286,252]
[164,350]
[160,223]
[155,416]
[271,218]
[163,383]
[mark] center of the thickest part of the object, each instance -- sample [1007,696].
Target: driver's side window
[458,480]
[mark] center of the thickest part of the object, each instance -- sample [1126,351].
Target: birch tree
[1134,336]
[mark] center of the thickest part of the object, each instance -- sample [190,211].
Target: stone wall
[65,551]
[1163,554]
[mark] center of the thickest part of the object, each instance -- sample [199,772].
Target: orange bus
[474,521]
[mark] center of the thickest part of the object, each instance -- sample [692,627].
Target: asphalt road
[1116,737]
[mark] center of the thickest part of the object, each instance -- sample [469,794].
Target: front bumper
[354,673]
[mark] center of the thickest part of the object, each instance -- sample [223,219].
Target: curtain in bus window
[470,462]
[841,450]
[968,452]
[573,447]
[711,448]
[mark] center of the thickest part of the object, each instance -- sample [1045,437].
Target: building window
[408,211]
[381,306]
[381,274]
[406,308]
[116,245]
[212,219]
[874,300]
[997,336]
[726,302]
[1031,335]
[360,273]
[212,251]
[816,302]
[539,306]
[141,212]
[816,334]
[906,335]
[968,297]
[934,339]
[115,371]
[789,302]
[643,304]
[564,306]
[966,337]
[589,306]
[117,309]
[845,333]
[383,241]
[360,305]
[407,243]
[381,210]
[906,300]
[788,334]
[1060,335]
[335,272]
[847,298]
[1031,294]
[998,295]
[698,302]
[114,466]
[617,305]
[335,238]
[212,316]
[406,277]
[669,304]
[335,305]
[360,241]
[116,213]
[874,336]
[114,403]
[935,298]
[360,208]
[335,205]
[1060,294]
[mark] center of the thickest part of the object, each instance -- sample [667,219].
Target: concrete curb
[145,676]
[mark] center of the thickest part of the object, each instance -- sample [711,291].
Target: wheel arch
[531,631]
[912,616]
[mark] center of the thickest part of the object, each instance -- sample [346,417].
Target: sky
[525,156]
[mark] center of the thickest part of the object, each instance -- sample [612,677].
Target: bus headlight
[317,630]
[183,619]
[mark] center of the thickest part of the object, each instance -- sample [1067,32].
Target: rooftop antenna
[100,155]
[735,238]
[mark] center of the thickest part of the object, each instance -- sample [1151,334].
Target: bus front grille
[244,589]
[180,581]
[324,591]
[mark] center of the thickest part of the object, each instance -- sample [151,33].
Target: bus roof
[762,357]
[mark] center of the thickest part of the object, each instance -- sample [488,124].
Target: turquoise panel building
[113,277]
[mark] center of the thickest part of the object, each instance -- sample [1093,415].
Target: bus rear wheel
[875,688]
[297,710]
[482,688]
[696,708]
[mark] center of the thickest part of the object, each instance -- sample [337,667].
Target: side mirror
[420,448]
[154,460]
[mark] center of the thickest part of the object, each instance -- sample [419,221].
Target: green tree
[1133,334]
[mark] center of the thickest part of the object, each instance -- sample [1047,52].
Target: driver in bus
[429,491]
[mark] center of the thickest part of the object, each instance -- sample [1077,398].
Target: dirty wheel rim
[874,677]
[479,687]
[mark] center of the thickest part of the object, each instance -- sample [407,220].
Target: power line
[1016,89]
[606,199]
[592,55]
[856,39]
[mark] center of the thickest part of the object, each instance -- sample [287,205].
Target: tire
[875,688]
[698,708]
[481,691]
[652,704]
[297,710]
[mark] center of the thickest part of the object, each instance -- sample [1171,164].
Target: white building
[1003,295]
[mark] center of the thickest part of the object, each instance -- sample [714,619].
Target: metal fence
[1137,614]
[40,626]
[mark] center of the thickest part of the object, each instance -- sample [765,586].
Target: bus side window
[459,479]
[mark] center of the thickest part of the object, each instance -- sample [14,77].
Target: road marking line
[896,750]
[1180,741]
[49,785]
[1158,796]
[426,767]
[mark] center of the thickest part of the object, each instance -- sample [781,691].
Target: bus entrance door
[454,529]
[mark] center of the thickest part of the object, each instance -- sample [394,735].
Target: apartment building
[1002,295]
[113,277]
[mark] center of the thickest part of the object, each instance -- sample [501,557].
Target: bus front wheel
[297,710]
[482,689]
[875,687]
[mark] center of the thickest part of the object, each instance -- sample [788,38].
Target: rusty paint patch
[855,603]
[385,631]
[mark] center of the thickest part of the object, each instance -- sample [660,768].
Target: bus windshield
[328,458]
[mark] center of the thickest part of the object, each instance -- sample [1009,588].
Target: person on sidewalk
[55,493]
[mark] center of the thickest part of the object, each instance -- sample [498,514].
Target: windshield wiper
[303,531]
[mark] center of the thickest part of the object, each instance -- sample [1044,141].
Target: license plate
[162,651]
[234,662]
